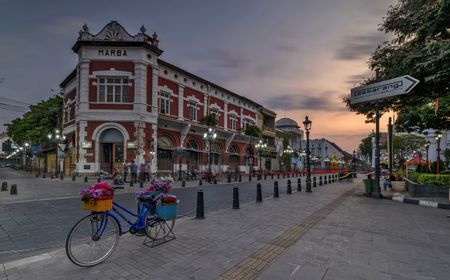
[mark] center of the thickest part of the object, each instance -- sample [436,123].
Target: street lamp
[288,151]
[152,155]
[354,164]
[210,136]
[56,137]
[438,151]
[427,145]
[260,146]
[307,123]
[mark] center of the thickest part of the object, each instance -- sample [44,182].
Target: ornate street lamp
[56,138]
[210,136]
[438,151]
[307,123]
[260,146]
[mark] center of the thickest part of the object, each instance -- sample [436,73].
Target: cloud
[359,46]
[285,47]
[357,79]
[225,58]
[324,101]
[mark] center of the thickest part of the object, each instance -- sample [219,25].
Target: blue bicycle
[93,239]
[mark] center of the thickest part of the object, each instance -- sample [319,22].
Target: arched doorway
[111,150]
[234,159]
[193,156]
[165,153]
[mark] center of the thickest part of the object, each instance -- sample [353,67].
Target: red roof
[416,160]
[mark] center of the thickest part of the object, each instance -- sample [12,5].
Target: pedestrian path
[331,233]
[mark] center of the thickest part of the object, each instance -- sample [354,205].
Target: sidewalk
[332,233]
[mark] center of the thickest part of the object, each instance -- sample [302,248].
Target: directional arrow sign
[384,89]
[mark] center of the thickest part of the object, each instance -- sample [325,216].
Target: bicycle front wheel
[92,240]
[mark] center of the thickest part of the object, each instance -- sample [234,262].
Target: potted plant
[397,182]
[97,197]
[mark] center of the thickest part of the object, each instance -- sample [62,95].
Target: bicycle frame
[137,225]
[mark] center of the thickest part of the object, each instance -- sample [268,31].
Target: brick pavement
[362,238]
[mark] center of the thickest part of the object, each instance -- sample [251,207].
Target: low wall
[415,189]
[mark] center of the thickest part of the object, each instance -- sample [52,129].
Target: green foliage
[413,176]
[253,130]
[420,48]
[365,147]
[209,120]
[433,167]
[35,124]
[437,180]
[403,144]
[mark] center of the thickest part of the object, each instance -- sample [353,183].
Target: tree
[406,144]
[365,147]
[253,130]
[36,124]
[209,120]
[420,48]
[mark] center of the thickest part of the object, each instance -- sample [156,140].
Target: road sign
[250,160]
[384,89]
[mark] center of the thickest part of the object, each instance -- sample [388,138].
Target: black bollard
[289,188]
[61,177]
[215,181]
[259,177]
[229,178]
[13,189]
[299,185]
[314,182]
[235,197]
[265,177]
[278,176]
[249,177]
[275,189]
[284,175]
[183,183]
[272,176]
[200,214]
[329,179]
[325,180]
[73,177]
[85,179]
[4,186]
[141,185]
[258,193]
[240,178]
[200,182]
[37,175]
[43,175]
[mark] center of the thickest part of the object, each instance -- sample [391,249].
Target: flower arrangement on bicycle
[97,197]
[157,194]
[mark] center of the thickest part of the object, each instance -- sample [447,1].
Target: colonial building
[327,155]
[123,103]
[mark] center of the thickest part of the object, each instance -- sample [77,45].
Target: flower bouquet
[98,197]
[154,190]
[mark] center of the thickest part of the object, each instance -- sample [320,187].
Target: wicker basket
[98,205]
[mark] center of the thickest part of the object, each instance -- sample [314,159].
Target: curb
[426,203]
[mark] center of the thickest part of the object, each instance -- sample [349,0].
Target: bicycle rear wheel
[92,240]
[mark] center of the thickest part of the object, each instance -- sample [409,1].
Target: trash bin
[369,187]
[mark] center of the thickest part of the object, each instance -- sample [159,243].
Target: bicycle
[94,238]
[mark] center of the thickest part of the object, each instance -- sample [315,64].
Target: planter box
[398,186]
[98,205]
[415,189]
[166,211]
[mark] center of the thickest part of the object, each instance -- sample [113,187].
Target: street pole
[376,191]
[438,151]
[390,145]
[307,123]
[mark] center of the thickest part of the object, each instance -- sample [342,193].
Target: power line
[6,99]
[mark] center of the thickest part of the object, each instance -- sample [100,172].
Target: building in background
[122,103]
[290,130]
[327,155]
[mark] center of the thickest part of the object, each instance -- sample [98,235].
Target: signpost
[375,92]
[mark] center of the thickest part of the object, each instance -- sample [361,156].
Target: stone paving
[361,238]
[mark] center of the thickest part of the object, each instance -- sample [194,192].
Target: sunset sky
[295,57]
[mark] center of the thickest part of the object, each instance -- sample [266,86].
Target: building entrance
[111,150]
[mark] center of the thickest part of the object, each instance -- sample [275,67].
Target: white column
[242,117]
[81,137]
[83,91]
[155,148]
[155,105]
[225,116]
[140,87]
[180,102]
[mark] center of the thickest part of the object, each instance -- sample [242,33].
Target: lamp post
[427,145]
[25,155]
[354,164]
[438,151]
[56,137]
[209,136]
[260,146]
[307,123]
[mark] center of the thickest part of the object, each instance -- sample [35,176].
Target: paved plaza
[332,233]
